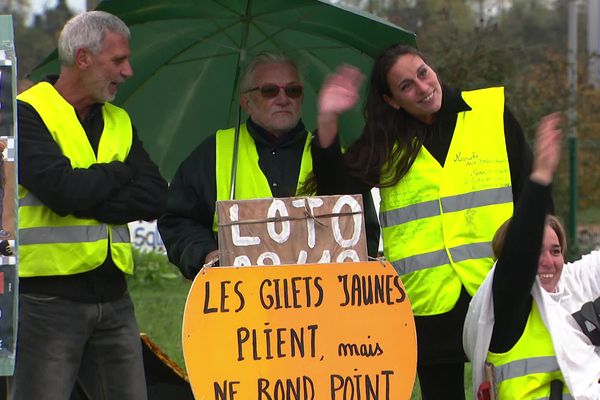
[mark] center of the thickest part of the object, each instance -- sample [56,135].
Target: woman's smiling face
[551,261]
[414,87]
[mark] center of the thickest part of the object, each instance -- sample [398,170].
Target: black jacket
[186,227]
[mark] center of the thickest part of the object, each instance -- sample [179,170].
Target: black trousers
[442,381]
[441,356]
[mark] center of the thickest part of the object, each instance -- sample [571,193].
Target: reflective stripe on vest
[251,182]
[423,261]
[526,370]
[29,200]
[438,222]
[520,368]
[62,234]
[450,204]
[50,244]
[72,234]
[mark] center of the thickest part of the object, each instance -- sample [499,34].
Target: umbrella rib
[274,11]
[219,30]
[241,59]
[269,37]
[199,59]
[248,20]
[169,61]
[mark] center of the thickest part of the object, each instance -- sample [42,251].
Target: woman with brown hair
[533,324]
[449,165]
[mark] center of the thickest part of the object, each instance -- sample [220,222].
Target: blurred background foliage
[159,293]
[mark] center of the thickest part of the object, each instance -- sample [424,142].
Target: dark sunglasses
[269,90]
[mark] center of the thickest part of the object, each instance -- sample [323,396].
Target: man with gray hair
[274,159]
[83,175]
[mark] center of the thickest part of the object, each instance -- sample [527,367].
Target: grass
[159,293]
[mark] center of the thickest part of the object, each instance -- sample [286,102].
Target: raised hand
[338,94]
[546,151]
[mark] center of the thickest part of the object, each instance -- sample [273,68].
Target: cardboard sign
[293,230]
[310,332]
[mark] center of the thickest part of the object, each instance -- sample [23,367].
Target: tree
[36,40]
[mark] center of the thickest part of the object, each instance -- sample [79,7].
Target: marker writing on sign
[361,290]
[279,230]
[295,292]
[269,343]
[226,296]
[361,386]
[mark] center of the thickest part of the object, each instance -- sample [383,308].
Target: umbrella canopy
[187,55]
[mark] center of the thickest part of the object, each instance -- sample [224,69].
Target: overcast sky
[37,6]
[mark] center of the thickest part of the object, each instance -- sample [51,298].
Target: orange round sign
[301,332]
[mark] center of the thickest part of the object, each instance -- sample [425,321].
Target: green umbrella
[187,54]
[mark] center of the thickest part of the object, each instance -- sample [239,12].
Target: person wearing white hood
[526,331]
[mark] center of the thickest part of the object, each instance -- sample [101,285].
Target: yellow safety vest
[526,371]
[53,245]
[251,183]
[438,222]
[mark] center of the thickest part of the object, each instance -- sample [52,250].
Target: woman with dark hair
[532,328]
[449,166]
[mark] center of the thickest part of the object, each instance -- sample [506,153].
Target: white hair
[264,59]
[87,31]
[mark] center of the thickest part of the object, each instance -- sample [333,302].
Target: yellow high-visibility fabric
[438,222]
[50,244]
[251,182]
[526,371]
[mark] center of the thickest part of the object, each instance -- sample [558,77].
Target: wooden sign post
[294,230]
[309,332]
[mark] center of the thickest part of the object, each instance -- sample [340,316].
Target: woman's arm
[516,268]
[338,94]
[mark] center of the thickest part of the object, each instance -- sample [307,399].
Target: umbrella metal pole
[236,141]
